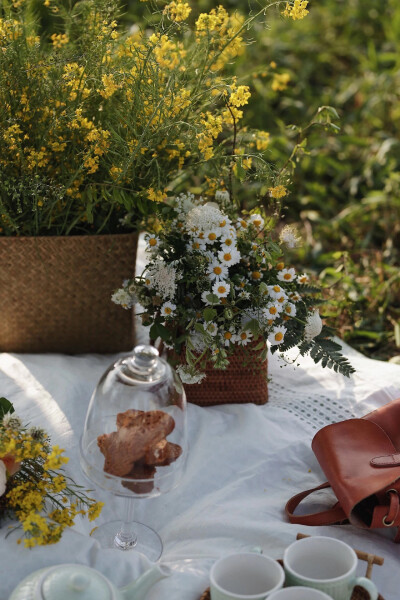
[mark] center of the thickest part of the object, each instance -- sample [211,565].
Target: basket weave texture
[244,380]
[55,293]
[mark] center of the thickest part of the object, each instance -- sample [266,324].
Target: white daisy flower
[244,337]
[289,237]
[194,246]
[186,376]
[152,241]
[294,296]
[272,311]
[217,271]
[243,295]
[313,326]
[168,310]
[303,278]
[221,289]
[290,309]
[241,224]
[123,298]
[229,256]
[275,291]
[287,275]
[282,298]
[257,221]
[229,337]
[212,236]
[228,240]
[277,335]
[211,328]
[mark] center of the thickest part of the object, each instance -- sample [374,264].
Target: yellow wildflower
[240,96]
[177,10]
[280,81]
[156,195]
[110,87]
[94,510]
[278,192]
[297,10]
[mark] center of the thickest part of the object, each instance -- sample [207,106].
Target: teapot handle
[138,589]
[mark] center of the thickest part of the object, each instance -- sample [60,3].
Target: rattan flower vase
[55,293]
[245,380]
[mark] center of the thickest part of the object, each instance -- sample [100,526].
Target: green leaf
[157,330]
[5,407]
[213,298]
[209,314]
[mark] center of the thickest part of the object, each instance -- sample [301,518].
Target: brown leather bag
[361,460]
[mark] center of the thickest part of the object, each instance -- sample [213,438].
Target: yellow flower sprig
[39,494]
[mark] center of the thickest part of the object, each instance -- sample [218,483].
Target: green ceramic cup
[325,564]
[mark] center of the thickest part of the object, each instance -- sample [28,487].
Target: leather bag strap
[324,517]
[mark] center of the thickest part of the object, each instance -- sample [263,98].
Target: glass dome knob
[144,366]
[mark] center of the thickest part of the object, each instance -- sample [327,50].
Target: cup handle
[368,585]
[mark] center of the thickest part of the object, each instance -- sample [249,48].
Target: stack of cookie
[138,447]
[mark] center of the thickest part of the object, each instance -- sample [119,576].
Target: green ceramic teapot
[79,582]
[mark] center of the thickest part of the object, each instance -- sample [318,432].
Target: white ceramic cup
[245,576]
[299,593]
[325,564]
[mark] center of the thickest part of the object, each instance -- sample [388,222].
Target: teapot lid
[66,581]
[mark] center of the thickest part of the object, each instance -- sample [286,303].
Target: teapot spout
[137,590]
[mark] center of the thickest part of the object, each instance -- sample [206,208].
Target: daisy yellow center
[222,289]
[212,236]
[227,335]
[257,223]
[167,310]
[276,288]
[243,223]
[287,276]
[280,266]
[273,310]
[147,281]
[256,275]
[201,235]
[196,245]
[289,309]
[228,242]
[243,335]
[279,336]
[217,270]
[303,279]
[223,223]
[153,242]
[281,299]
[242,284]
[227,256]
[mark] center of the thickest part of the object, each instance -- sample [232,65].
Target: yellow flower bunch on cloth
[33,486]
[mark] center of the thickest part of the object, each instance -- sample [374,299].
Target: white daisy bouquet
[216,280]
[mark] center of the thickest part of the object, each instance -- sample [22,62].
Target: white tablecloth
[244,462]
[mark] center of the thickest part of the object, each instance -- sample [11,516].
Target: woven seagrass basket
[55,293]
[245,380]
